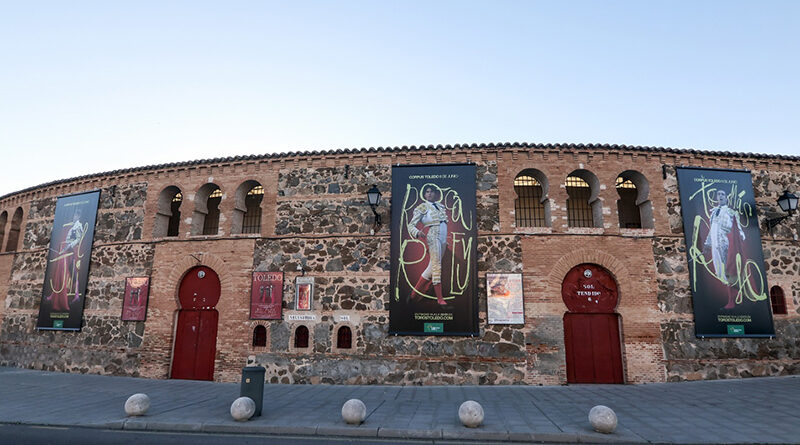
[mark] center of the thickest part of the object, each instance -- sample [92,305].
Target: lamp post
[374,199]
[788,203]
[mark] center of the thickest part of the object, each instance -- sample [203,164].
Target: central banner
[434,282]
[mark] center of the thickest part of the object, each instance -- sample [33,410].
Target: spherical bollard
[137,404]
[243,408]
[354,411]
[471,414]
[603,419]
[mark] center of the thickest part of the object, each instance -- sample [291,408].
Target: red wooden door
[593,349]
[196,332]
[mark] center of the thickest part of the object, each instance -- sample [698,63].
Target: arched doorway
[196,333]
[591,327]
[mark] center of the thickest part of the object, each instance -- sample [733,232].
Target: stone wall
[105,344]
[315,218]
[691,358]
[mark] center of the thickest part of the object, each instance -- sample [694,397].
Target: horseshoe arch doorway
[591,326]
[196,330]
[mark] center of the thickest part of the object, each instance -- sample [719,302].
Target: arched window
[3,221]
[301,337]
[531,208]
[205,219]
[260,336]
[626,204]
[633,207]
[247,211]
[344,338]
[778,300]
[13,234]
[211,223]
[584,208]
[168,215]
[175,218]
[252,217]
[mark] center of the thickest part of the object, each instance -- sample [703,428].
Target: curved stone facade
[314,218]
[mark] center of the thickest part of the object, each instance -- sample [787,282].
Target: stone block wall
[690,358]
[315,217]
[105,344]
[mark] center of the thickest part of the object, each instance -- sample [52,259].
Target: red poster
[134,305]
[266,296]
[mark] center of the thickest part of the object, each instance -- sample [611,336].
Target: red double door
[593,349]
[196,332]
[591,327]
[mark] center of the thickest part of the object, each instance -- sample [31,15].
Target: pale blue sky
[87,87]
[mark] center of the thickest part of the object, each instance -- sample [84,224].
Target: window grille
[778,300]
[528,206]
[579,212]
[211,222]
[252,216]
[344,338]
[628,211]
[260,336]
[175,219]
[301,337]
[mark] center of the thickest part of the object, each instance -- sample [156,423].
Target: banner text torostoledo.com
[726,263]
[434,250]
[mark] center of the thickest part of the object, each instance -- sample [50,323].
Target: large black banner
[68,262]
[434,250]
[726,263]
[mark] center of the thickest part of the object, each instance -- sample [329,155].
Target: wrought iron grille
[211,223]
[528,206]
[579,212]
[252,216]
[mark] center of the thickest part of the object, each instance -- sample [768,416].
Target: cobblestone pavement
[756,410]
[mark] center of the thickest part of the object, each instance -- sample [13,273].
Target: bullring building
[506,263]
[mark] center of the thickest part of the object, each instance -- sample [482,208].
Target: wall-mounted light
[374,199]
[788,203]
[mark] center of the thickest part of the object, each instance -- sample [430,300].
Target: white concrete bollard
[137,405]
[354,411]
[243,409]
[603,419]
[471,414]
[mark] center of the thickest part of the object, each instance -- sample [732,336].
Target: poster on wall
[504,298]
[434,250]
[726,264]
[266,296]
[304,293]
[68,259]
[134,303]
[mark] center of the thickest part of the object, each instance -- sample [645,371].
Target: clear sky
[91,86]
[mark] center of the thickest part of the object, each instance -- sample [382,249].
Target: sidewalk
[756,410]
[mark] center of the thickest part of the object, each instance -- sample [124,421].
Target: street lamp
[374,199]
[788,203]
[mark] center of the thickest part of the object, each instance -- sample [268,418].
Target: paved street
[757,410]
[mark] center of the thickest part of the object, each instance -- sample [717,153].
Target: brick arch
[614,265]
[199,259]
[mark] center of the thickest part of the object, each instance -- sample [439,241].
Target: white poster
[504,298]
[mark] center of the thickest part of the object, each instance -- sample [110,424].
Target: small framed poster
[304,293]
[266,296]
[134,303]
[504,298]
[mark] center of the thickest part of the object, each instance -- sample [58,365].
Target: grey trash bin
[253,385]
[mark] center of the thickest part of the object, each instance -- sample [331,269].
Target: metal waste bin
[253,385]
